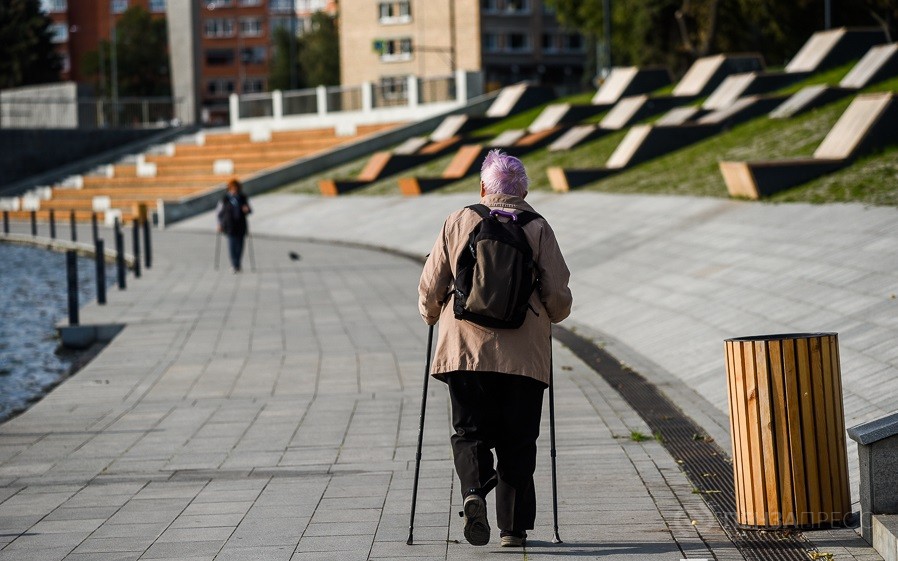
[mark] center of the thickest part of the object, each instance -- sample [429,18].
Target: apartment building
[385,41]
[79,26]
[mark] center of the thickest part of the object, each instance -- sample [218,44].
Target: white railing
[367,103]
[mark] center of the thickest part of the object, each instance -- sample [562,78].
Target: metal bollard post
[100,255]
[5,221]
[93,226]
[147,245]
[52,224]
[33,223]
[135,244]
[119,256]
[72,225]
[71,265]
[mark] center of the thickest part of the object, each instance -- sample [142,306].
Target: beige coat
[463,345]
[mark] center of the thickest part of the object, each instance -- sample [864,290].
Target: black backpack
[495,273]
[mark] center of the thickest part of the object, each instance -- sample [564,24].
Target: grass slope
[692,170]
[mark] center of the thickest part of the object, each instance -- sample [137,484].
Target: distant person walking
[232,211]
[496,375]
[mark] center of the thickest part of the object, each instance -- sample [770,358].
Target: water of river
[33,299]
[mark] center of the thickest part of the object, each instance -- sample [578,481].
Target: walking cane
[555,538]
[217,249]
[411,523]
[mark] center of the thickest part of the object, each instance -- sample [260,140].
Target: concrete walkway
[273,415]
[662,281]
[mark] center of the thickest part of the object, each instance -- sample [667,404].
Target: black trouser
[501,411]
[235,249]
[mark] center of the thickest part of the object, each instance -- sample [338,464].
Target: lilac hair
[504,175]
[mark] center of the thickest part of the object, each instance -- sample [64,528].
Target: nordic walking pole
[555,538]
[411,523]
[217,248]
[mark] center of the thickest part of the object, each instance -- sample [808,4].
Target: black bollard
[93,226]
[72,225]
[71,265]
[119,257]
[52,224]
[147,245]
[5,221]
[135,244]
[33,223]
[100,255]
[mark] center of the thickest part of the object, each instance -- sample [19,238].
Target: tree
[27,55]
[141,53]
[279,71]
[319,52]
[317,55]
[676,32]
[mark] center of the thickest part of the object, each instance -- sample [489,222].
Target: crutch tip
[556,539]
[410,540]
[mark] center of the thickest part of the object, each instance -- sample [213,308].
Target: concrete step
[885,536]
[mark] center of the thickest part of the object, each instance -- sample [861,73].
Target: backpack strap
[480,209]
[524,216]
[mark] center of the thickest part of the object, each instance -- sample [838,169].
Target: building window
[395,50]
[219,27]
[490,43]
[253,55]
[394,87]
[219,87]
[157,6]
[394,12]
[253,85]
[518,42]
[66,63]
[59,32]
[248,3]
[280,5]
[119,6]
[54,6]
[251,27]
[517,6]
[490,6]
[220,57]
[573,43]
[214,4]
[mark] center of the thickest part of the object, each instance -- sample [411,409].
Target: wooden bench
[467,159]
[871,121]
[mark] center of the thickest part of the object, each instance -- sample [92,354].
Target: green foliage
[27,55]
[676,32]
[141,53]
[279,70]
[319,55]
[317,60]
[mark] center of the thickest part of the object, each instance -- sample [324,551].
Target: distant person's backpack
[495,273]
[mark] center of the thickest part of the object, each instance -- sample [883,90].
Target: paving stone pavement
[274,414]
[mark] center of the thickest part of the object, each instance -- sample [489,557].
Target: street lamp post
[113,63]
[293,76]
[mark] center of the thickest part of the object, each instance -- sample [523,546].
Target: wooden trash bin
[789,452]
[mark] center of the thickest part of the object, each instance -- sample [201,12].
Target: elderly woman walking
[496,375]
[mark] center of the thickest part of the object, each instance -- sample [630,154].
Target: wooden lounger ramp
[880,63]
[824,50]
[418,150]
[468,159]
[704,75]
[646,142]
[386,163]
[870,122]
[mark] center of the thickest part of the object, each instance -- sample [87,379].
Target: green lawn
[692,170]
